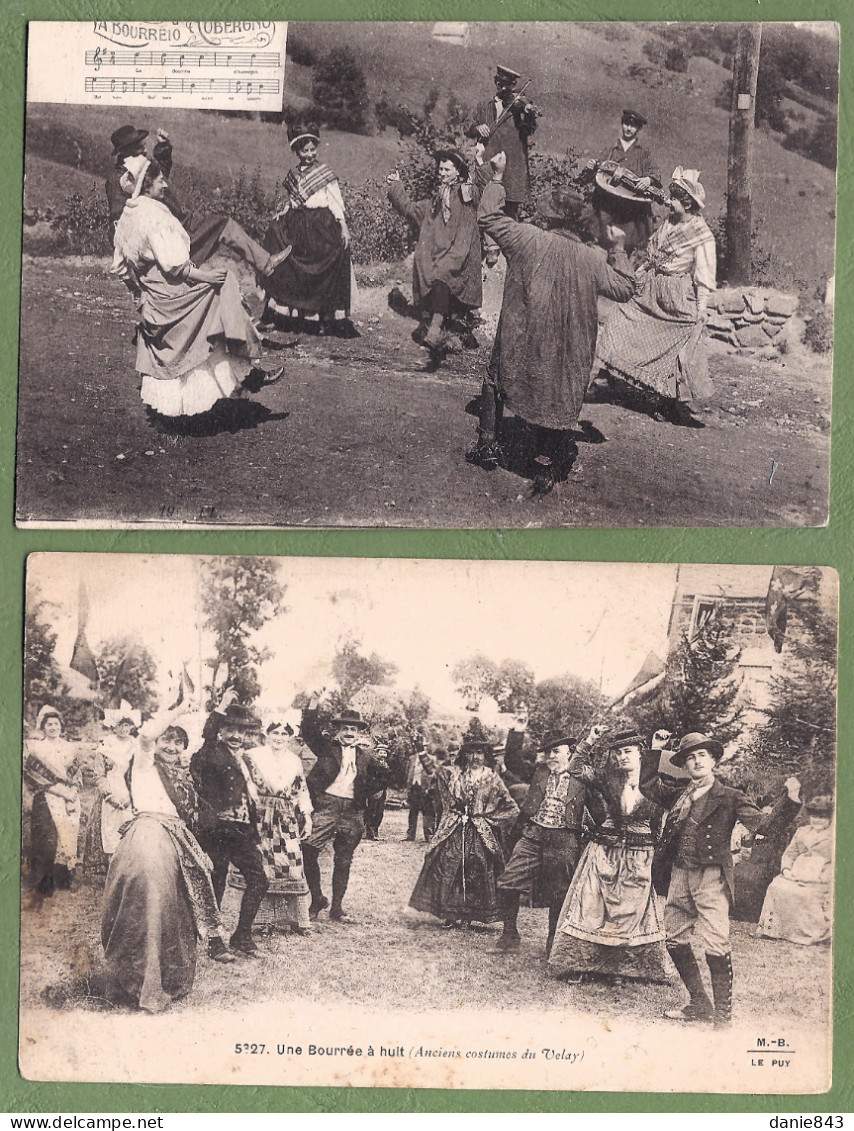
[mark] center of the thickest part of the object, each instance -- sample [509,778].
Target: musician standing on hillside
[511,137]
[634,217]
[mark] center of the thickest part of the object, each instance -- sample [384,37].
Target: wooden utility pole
[745,71]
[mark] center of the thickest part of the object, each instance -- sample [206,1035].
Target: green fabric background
[829,546]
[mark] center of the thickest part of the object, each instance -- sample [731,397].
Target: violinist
[504,123]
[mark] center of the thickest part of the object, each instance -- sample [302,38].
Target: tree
[43,678]
[340,91]
[800,731]
[700,689]
[565,703]
[513,686]
[354,671]
[239,596]
[474,679]
[128,671]
[510,683]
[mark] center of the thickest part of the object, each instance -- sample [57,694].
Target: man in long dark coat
[546,337]
[549,845]
[633,216]
[347,772]
[228,818]
[511,137]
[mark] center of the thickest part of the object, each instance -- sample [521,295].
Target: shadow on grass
[226,416]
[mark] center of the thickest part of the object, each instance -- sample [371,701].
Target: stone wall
[750,317]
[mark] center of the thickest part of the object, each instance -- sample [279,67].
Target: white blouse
[147,233]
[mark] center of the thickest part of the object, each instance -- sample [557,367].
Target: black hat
[506,73]
[236,715]
[350,719]
[696,741]
[624,738]
[821,806]
[302,131]
[562,204]
[633,116]
[554,738]
[126,137]
[473,746]
[456,157]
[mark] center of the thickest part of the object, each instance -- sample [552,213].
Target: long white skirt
[199,390]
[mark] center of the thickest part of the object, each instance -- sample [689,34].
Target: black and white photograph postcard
[427,275]
[410,823]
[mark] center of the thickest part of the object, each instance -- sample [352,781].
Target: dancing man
[346,774]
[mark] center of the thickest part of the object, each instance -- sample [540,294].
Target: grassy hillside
[583,75]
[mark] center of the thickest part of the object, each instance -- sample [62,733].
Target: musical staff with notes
[127,63]
[127,85]
[105,57]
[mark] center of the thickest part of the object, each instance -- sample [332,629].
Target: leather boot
[720,968]
[699,1008]
[509,905]
[340,879]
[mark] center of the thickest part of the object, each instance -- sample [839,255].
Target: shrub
[340,91]
[298,50]
[676,58]
[244,199]
[817,144]
[397,116]
[378,233]
[819,332]
[83,225]
[458,113]
[767,269]
[655,50]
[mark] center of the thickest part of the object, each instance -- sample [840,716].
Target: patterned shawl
[671,248]
[301,186]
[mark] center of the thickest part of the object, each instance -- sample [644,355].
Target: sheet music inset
[216,64]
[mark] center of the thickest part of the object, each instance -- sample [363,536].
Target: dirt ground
[368,433]
[393,958]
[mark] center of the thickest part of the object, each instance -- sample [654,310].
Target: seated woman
[51,775]
[159,898]
[195,341]
[284,814]
[654,342]
[316,280]
[611,923]
[799,903]
[465,857]
[446,273]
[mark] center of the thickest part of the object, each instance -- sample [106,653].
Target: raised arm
[787,807]
[651,785]
[413,211]
[615,279]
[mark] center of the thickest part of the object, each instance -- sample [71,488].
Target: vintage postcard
[428,823]
[430,275]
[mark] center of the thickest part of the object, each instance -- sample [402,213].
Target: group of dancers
[196,343]
[632,862]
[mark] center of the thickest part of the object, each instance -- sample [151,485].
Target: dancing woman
[654,343]
[195,342]
[611,923]
[458,882]
[159,899]
[316,279]
[284,820]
